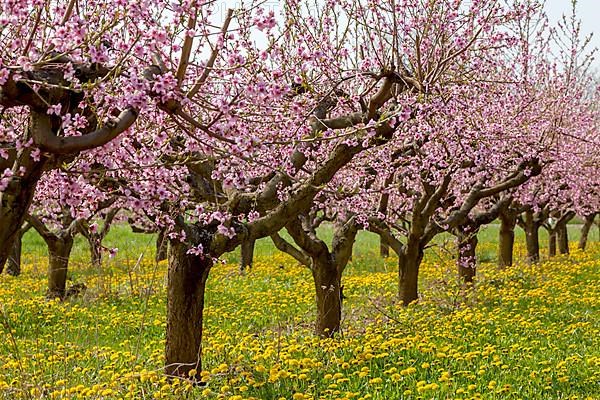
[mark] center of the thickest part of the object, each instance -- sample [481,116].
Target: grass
[530,332]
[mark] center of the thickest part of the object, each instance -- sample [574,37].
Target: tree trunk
[408,271]
[247,254]
[187,276]
[506,240]
[161,246]
[95,251]
[467,257]
[15,201]
[13,266]
[384,248]
[552,243]
[59,251]
[532,237]
[562,236]
[329,296]
[585,230]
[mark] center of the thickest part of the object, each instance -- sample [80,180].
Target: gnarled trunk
[585,230]
[562,236]
[59,251]
[506,240]
[187,276]
[161,246]
[408,272]
[15,201]
[247,254]
[13,265]
[467,257]
[328,288]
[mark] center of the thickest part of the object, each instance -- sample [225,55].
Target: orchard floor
[528,332]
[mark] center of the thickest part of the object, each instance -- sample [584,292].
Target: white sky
[589,13]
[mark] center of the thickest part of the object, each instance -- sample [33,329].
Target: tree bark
[585,230]
[95,251]
[161,246]
[15,201]
[59,251]
[13,266]
[562,236]
[552,243]
[506,239]
[408,272]
[247,254]
[328,288]
[532,239]
[187,276]
[531,226]
[467,257]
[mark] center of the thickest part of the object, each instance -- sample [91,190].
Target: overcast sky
[589,13]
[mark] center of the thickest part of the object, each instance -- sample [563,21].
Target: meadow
[526,332]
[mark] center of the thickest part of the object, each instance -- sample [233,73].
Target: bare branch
[283,245]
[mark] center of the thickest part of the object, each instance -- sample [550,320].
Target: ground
[527,332]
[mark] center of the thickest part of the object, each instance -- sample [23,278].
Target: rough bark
[187,276]
[327,279]
[585,230]
[562,237]
[506,239]
[467,256]
[552,243]
[531,223]
[247,254]
[59,251]
[13,266]
[409,262]
[15,201]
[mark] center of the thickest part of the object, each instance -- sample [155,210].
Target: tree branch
[47,140]
[283,245]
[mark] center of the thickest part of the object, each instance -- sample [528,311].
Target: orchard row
[215,128]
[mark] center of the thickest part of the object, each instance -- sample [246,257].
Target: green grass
[132,245]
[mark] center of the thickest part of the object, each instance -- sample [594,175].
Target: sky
[587,10]
[589,13]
